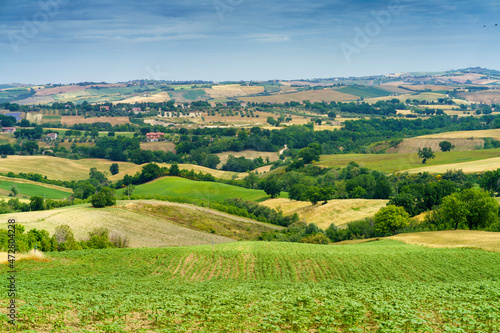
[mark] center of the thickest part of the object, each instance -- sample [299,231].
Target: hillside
[181,187]
[261,286]
[148,223]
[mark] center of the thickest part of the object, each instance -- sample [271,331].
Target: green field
[399,162]
[365,91]
[180,187]
[34,190]
[192,94]
[383,286]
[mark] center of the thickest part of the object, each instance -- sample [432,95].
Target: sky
[63,41]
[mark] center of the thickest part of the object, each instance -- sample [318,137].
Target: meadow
[30,189]
[181,187]
[382,286]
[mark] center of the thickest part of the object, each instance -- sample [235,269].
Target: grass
[180,187]
[261,287]
[453,238]
[326,95]
[30,189]
[401,162]
[58,168]
[338,212]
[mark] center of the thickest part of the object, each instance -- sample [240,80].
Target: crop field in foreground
[383,286]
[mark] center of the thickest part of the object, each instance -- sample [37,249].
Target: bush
[318,238]
[103,198]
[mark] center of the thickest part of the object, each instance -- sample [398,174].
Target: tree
[331,115]
[174,170]
[272,187]
[251,180]
[391,218]
[14,190]
[30,147]
[271,121]
[105,197]
[425,153]
[446,146]
[36,203]
[114,168]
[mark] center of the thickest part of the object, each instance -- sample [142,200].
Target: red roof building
[155,136]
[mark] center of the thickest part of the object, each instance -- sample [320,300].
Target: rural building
[51,136]
[181,114]
[8,129]
[104,107]
[136,110]
[213,105]
[243,105]
[155,136]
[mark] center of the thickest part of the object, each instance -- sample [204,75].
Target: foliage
[425,154]
[446,146]
[390,219]
[105,197]
[114,169]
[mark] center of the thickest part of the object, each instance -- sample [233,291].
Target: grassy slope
[33,189]
[157,224]
[260,286]
[453,238]
[180,187]
[401,162]
[365,92]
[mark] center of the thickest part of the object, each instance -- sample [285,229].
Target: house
[243,105]
[136,110]
[104,107]
[213,105]
[8,129]
[51,136]
[155,136]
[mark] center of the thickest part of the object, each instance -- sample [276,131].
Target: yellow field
[156,98]
[412,145]
[232,90]
[338,212]
[491,133]
[453,238]
[326,95]
[58,168]
[467,167]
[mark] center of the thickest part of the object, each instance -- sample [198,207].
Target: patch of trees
[63,239]
[242,164]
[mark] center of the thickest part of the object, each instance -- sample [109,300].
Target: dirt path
[282,150]
[125,203]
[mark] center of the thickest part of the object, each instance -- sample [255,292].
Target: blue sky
[63,41]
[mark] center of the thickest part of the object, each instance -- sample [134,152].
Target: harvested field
[58,168]
[489,241]
[338,212]
[412,145]
[248,154]
[233,90]
[491,133]
[141,229]
[487,97]
[467,167]
[327,95]
[72,120]
[156,98]
[165,146]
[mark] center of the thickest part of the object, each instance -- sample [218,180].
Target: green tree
[272,187]
[271,121]
[331,115]
[390,219]
[114,168]
[14,190]
[174,170]
[105,197]
[251,180]
[36,203]
[30,147]
[425,154]
[446,146]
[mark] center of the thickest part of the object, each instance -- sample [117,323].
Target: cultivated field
[413,144]
[489,241]
[72,120]
[467,167]
[404,162]
[155,98]
[233,90]
[29,188]
[327,95]
[490,133]
[58,168]
[487,97]
[338,212]
[261,287]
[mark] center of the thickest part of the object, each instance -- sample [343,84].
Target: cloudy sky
[63,41]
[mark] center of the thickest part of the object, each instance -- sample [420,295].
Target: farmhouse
[104,107]
[51,136]
[136,110]
[155,136]
[8,129]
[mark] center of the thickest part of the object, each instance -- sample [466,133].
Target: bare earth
[71,120]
